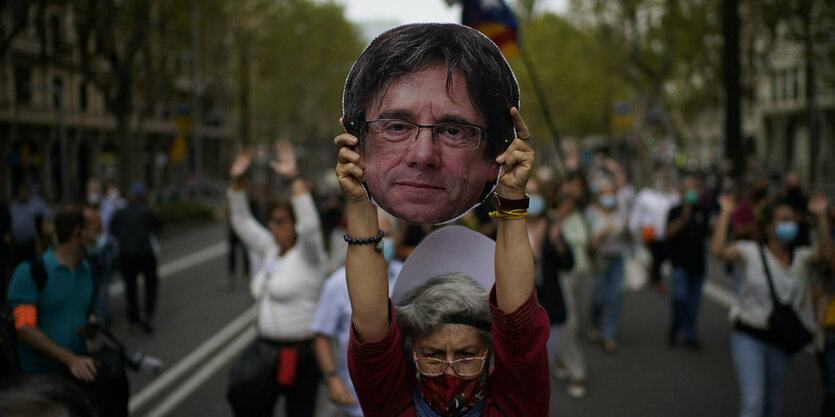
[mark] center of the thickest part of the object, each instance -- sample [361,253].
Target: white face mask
[608,201]
[93,199]
[113,194]
[536,205]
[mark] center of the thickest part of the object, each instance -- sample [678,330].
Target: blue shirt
[23,218]
[63,306]
[333,319]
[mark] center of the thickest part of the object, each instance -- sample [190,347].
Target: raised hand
[285,160]
[518,161]
[241,163]
[818,204]
[727,202]
[350,168]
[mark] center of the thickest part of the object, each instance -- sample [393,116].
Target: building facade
[57,133]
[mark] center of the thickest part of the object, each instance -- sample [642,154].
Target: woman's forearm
[824,240]
[514,265]
[720,234]
[365,269]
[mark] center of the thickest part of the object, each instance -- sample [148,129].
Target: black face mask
[759,195]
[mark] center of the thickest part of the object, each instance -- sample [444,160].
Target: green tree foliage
[273,68]
[112,36]
[576,73]
[300,58]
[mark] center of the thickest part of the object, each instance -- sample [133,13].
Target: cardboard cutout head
[430,105]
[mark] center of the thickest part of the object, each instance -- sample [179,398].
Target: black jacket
[132,226]
[549,292]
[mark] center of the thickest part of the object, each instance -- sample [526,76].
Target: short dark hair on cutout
[67,219]
[406,49]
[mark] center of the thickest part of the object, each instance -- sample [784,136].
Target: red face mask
[449,395]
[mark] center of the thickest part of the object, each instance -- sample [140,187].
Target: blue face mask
[608,201]
[388,248]
[536,205]
[786,232]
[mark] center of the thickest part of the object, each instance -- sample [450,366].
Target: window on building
[795,83]
[784,85]
[23,85]
[82,96]
[55,30]
[57,91]
[774,86]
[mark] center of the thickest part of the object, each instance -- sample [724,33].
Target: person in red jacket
[449,348]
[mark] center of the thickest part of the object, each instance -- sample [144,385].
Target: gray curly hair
[452,298]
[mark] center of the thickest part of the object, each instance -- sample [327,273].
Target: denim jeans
[827,363]
[569,351]
[551,344]
[686,294]
[605,309]
[761,369]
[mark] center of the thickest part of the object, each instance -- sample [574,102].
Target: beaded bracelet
[509,214]
[366,240]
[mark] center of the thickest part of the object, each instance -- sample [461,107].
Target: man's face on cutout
[422,181]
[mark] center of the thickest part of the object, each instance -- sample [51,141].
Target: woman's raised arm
[365,266]
[514,258]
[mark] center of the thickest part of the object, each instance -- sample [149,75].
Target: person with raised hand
[449,348]
[772,268]
[286,288]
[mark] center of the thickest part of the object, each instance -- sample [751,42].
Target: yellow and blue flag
[495,20]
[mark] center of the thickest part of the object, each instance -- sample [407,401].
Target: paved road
[201,328]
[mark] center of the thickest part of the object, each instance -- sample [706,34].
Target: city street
[200,330]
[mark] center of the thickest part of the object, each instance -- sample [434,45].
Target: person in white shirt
[648,220]
[608,242]
[286,289]
[774,268]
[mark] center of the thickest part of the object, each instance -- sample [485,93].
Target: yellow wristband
[509,214]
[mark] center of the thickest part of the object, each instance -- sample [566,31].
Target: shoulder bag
[784,326]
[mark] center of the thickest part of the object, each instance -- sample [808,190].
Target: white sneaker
[576,390]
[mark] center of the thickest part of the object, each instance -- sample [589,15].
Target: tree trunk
[730,60]
[130,156]
[812,117]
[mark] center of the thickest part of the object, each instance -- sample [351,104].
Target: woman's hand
[518,161]
[727,203]
[239,167]
[241,163]
[350,168]
[818,204]
[285,160]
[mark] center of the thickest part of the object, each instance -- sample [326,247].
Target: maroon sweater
[519,384]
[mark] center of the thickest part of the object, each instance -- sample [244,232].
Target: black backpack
[9,363]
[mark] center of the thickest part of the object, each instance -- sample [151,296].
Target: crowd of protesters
[584,226]
[674,218]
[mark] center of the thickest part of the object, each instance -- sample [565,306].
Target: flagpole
[476,12]
[543,104]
